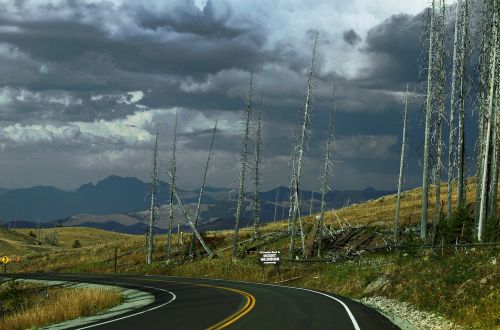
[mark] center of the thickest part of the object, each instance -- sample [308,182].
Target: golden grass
[86,236]
[98,245]
[61,305]
[452,273]
[381,211]
[13,243]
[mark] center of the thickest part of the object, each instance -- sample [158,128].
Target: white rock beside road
[407,317]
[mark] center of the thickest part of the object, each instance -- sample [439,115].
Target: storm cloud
[83,84]
[351,37]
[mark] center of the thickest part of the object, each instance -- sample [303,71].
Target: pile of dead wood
[349,242]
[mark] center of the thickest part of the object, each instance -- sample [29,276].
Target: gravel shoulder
[405,316]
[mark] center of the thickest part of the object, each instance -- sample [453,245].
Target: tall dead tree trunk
[243,160]
[256,195]
[202,188]
[495,155]
[484,74]
[300,150]
[191,223]
[401,167]
[427,134]
[440,99]
[463,41]
[495,127]
[173,170]
[483,211]
[327,171]
[152,209]
[291,193]
[452,137]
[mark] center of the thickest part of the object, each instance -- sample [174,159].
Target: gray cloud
[395,47]
[68,71]
[351,37]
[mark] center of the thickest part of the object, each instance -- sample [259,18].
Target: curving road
[187,303]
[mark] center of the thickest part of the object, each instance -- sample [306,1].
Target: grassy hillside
[88,237]
[381,211]
[460,284]
[13,243]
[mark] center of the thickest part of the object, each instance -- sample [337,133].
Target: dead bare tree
[452,138]
[488,118]
[256,201]
[203,180]
[484,76]
[428,117]
[327,171]
[191,223]
[401,166]
[495,156]
[463,42]
[291,194]
[495,124]
[152,209]
[440,99]
[173,170]
[300,151]
[243,161]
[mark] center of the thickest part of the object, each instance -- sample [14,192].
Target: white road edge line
[351,316]
[131,315]
[135,314]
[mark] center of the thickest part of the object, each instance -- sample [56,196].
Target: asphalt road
[186,303]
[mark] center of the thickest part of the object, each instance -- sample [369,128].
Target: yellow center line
[249,304]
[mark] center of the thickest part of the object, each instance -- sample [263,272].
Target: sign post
[270,258]
[5,260]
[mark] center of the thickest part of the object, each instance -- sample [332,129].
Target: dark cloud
[187,55]
[395,48]
[189,19]
[67,70]
[351,37]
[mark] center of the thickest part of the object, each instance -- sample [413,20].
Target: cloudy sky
[83,84]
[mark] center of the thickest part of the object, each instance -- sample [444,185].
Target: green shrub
[11,297]
[52,238]
[492,230]
[459,229]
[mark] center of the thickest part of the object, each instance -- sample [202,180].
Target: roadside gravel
[407,317]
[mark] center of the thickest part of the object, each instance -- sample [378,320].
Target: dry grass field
[30,306]
[458,277]
[88,237]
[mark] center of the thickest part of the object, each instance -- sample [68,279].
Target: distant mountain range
[121,204]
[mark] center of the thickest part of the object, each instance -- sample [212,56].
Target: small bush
[11,297]
[459,228]
[52,239]
[492,230]
[76,244]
